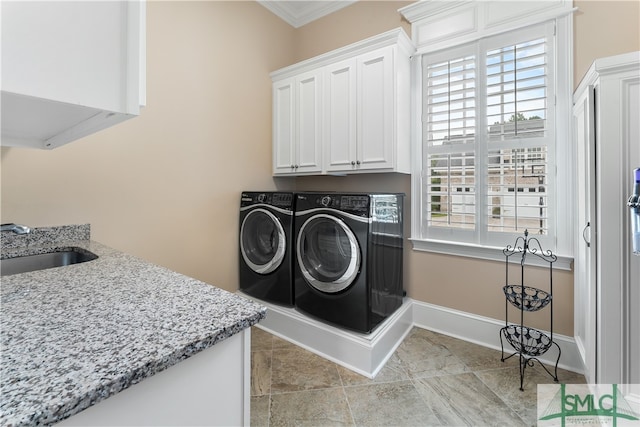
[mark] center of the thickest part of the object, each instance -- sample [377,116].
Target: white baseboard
[485,331]
[367,354]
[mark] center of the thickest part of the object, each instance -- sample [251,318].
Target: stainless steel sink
[61,258]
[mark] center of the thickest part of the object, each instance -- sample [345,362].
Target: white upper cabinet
[340,115]
[363,124]
[359,114]
[297,109]
[70,69]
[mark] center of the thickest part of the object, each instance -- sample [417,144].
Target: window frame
[560,239]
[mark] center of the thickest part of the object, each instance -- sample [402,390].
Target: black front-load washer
[348,266]
[266,253]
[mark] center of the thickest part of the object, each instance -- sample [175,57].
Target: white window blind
[516,87]
[488,138]
[450,98]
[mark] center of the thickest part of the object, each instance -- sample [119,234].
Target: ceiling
[300,12]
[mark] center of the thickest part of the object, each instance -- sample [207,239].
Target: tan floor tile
[465,400]
[261,340]
[326,407]
[506,384]
[260,411]
[456,383]
[260,373]
[389,404]
[421,357]
[295,369]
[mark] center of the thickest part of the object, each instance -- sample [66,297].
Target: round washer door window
[262,241]
[328,253]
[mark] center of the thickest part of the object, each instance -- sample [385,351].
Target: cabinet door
[283,126]
[340,116]
[376,107]
[70,69]
[308,141]
[585,277]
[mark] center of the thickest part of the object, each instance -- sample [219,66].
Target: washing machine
[266,249]
[348,266]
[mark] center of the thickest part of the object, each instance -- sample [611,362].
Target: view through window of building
[488,137]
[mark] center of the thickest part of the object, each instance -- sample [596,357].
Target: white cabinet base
[210,388]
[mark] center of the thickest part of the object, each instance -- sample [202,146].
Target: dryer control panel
[357,204]
[280,199]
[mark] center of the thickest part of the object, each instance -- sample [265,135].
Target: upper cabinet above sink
[70,69]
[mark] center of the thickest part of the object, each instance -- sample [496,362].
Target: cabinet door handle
[353,163]
[357,162]
[584,237]
[296,166]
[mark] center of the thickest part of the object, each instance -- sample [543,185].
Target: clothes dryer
[348,266]
[266,251]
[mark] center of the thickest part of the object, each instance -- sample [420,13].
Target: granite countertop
[75,335]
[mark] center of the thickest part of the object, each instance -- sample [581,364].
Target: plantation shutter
[488,119]
[449,133]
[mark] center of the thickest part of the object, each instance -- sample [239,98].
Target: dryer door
[328,253]
[262,241]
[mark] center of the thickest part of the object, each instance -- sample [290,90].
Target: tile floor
[431,380]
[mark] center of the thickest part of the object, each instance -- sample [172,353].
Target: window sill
[484,252]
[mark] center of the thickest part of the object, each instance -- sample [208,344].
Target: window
[489,140]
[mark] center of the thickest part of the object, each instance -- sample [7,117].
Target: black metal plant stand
[529,343]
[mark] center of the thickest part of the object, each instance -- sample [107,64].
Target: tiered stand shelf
[529,343]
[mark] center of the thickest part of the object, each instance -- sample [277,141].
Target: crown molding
[298,13]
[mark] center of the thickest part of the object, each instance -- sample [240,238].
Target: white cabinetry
[70,69]
[360,115]
[297,109]
[607,131]
[364,122]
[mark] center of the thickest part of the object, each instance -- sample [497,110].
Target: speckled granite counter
[73,336]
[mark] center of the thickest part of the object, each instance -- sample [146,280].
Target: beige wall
[603,28]
[165,186]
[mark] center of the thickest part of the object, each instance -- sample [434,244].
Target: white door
[283,126]
[585,278]
[340,116]
[308,141]
[376,107]
[606,273]
[632,368]
[297,121]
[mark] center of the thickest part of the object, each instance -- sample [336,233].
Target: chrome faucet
[16,228]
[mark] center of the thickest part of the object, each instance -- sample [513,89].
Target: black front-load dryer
[348,266]
[266,234]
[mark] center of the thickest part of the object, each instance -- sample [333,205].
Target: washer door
[262,241]
[328,253]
